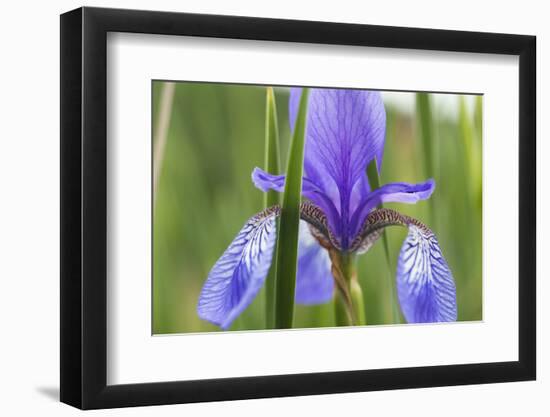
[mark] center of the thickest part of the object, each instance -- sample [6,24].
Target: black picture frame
[84,207]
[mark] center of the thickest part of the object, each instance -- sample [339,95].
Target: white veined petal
[425,284]
[238,275]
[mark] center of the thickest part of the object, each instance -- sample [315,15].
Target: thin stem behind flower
[160,133]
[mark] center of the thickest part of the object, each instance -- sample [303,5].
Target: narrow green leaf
[287,243]
[271,198]
[425,126]
[478,119]
[471,155]
[374,181]
[478,123]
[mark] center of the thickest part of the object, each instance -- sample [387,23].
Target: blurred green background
[204,194]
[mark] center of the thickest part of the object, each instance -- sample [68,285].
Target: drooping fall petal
[425,284]
[314,281]
[240,272]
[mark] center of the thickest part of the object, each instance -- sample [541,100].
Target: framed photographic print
[257,208]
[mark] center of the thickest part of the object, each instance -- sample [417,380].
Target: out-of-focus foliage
[205,194]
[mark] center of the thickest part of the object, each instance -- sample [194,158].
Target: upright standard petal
[239,274]
[425,285]
[345,131]
[314,281]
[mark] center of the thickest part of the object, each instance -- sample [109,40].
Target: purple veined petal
[425,285]
[378,111]
[345,131]
[398,192]
[314,281]
[359,193]
[266,181]
[238,275]
[359,116]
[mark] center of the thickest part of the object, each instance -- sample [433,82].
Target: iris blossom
[339,219]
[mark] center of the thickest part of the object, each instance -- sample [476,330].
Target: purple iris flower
[345,132]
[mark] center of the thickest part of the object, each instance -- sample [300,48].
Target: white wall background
[29,209]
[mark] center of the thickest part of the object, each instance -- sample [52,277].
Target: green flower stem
[271,198]
[349,304]
[358,303]
[374,181]
[341,312]
[287,242]
[162,127]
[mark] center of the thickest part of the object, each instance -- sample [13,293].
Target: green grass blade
[466,130]
[425,125]
[287,243]
[478,119]
[478,128]
[273,166]
[469,125]
[374,181]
